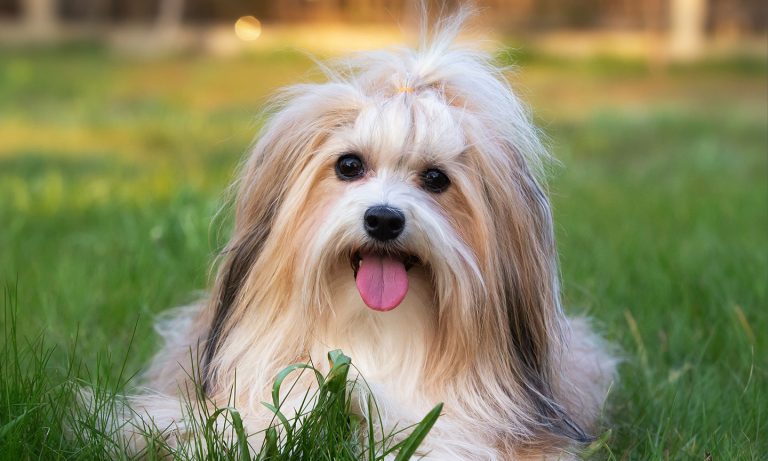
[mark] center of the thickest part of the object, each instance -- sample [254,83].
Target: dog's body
[396,213]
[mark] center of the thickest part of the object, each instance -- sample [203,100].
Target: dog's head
[403,161]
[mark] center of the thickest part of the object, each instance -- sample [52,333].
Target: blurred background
[122,123]
[657,30]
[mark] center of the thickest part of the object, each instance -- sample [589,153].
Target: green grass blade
[371,435]
[337,377]
[6,429]
[269,450]
[284,374]
[411,443]
[242,439]
[283,420]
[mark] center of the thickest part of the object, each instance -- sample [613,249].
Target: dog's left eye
[435,180]
[349,167]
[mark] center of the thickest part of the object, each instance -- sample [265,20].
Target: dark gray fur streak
[554,418]
[239,261]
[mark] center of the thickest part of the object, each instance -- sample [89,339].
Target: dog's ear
[305,116]
[529,285]
[258,198]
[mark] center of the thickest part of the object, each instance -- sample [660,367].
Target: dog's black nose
[384,223]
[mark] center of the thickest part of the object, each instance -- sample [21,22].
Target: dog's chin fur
[481,327]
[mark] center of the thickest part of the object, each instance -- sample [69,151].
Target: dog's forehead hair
[409,131]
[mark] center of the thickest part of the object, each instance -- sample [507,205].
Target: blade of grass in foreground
[412,442]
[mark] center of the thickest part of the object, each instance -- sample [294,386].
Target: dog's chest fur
[389,349]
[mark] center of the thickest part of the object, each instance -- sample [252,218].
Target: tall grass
[44,415]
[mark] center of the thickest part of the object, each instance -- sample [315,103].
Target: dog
[398,212]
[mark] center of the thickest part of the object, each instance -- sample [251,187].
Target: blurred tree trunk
[40,18]
[170,15]
[687,23]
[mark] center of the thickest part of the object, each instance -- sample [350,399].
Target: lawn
[112,171]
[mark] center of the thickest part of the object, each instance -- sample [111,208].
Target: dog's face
[391,190]
[373,183]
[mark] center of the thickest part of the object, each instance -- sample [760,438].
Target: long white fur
[448,341]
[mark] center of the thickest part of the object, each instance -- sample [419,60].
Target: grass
[111,171]
[47,416]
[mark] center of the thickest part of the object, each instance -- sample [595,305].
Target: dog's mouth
[381,277]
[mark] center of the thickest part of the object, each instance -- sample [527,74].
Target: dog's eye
[349,167]
[435,180]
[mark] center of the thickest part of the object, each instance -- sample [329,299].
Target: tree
[39,19]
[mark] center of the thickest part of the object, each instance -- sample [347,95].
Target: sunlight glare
[248,28]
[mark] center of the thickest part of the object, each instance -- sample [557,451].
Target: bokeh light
[248,28]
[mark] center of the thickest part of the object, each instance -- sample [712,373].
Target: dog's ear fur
[531,291]
[275,162]
[258,198]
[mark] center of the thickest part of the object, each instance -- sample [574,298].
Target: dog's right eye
[349,167]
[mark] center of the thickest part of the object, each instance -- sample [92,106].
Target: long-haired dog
[396,212]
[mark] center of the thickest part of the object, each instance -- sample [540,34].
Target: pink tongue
[381,281]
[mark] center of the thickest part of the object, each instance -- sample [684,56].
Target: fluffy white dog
[396,212]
